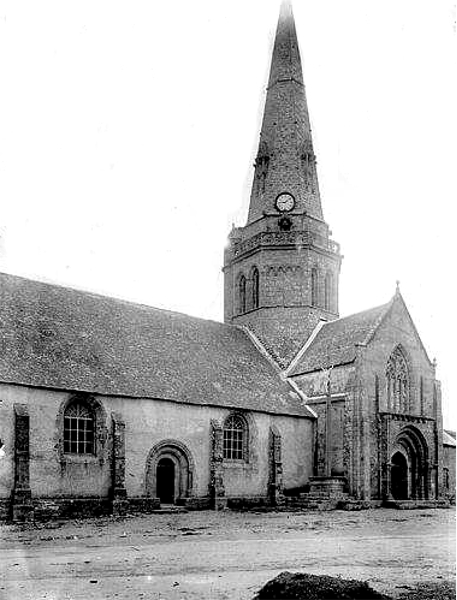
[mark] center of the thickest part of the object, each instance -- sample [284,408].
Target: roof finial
[397,288]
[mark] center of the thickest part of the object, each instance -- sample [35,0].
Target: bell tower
[281,269]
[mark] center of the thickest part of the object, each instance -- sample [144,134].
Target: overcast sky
[128,132]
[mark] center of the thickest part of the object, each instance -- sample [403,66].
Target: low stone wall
[4,510]
[248,503]
[47,509]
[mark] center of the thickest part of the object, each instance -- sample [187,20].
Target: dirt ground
[230,555]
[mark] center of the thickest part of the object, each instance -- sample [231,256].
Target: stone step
[416,504]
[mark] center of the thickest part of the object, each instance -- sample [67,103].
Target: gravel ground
[229,555]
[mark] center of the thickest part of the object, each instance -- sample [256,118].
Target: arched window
[397,377]
[242,294]
[328,291]
[255,287]
[78,429]
[314,288]
[235,438]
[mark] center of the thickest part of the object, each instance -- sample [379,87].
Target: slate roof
[56,337]
[335,343]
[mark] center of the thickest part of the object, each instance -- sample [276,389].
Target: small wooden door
[399,477]
[166,481]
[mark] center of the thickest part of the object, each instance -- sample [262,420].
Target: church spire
[286,62]
[285,160]
[281,269]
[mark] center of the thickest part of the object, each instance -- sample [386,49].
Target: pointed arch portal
[409,466]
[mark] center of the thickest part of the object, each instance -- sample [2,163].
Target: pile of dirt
[302,586]
[431,591]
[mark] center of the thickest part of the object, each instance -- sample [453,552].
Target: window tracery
[397,376]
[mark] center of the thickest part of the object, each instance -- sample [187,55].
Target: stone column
[328,429]
[22,508]
[118,491]
[217,489]
[385,458]
[439,462]
[275,488]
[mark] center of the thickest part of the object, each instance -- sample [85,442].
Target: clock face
[285,202]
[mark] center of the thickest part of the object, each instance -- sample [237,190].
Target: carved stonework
[118,464]
[275,487]
[414,438]
[298,239]
[308,165]
[22,509]
[216,486]
[280,270]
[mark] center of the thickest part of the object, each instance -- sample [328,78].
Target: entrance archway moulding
[411,443]
[185,467]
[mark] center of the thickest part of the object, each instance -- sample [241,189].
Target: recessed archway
[409,466]
[169,472]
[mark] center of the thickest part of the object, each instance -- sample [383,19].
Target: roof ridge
[304,348]
[259,346]
[282,374]
[378,321]
[124,301]
[360,312]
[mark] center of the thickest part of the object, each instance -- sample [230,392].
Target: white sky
[128,131]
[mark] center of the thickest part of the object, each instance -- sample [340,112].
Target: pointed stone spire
[286,63]
[285,160]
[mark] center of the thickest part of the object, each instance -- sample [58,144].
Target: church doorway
[399,476]
[408,477]
[169,472]
[166,481]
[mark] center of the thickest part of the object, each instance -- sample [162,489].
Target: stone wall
[376,441]
[364,430]
[314,386]
[449,466]
[127,431]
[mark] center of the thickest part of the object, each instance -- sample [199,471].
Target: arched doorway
[399,476]
[166,480]
[169,472]
[409,473]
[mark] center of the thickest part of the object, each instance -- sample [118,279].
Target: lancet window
[255,287]
[314,287]
[242,294]
[328,291]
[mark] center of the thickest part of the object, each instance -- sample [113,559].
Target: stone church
[107,406]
